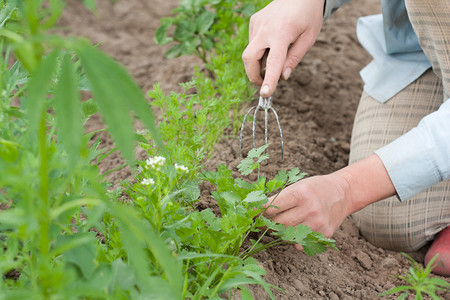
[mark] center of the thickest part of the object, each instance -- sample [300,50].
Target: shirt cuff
[420,158]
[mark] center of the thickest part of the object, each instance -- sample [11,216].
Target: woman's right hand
[288,28]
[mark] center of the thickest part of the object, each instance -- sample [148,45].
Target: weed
[420,282]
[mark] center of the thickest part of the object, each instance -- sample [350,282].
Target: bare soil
[316,107]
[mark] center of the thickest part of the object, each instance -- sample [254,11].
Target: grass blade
[68,111]
[37,90]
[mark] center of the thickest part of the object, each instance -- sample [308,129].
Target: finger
[287,199]
[296,53]
[274,66]
[251,56]
[291,217]
[296,216]
[298,247]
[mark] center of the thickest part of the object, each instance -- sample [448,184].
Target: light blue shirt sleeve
[420,158]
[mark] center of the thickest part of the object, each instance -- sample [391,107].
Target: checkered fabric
[408,225]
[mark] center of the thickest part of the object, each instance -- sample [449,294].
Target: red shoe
[441,246]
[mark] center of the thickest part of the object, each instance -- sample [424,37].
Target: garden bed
[316,108]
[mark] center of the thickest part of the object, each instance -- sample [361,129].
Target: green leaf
[123,276]
[159,289]
[295,175]
[246,166]
[174,52]
[37,91]
[204,21]
[68,111]
[185,30]
[231,198]
[255,196]
[190,190]
[161,37]
[135,233]
[80,250]
[281,176]
[117,95]
[211,219]
[246,294]
[89,107]
[257,152]
[208,43]
[9,151]
[188,47]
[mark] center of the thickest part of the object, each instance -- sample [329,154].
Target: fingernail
[264,90]
[287,73]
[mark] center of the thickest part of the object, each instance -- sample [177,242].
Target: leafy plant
[199,24]
[211,243]
[52,195]
[420,282]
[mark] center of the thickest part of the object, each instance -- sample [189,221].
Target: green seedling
[419,282]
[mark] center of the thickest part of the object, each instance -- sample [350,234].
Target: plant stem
[44,228]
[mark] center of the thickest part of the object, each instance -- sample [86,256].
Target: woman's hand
[320,202]
[323,202]
[288,28]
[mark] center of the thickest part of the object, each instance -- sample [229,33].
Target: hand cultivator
[266,105]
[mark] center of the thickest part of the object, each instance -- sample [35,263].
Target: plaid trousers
[408,225]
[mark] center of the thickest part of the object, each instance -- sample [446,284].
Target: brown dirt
[316,107]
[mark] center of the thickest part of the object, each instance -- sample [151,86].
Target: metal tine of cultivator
[266,105]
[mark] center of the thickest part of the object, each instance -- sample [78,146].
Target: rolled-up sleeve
[331,6]
[420,158]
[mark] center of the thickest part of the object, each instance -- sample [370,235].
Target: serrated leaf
[263,157]
[230,198]
[316,243]
[243,184]
[211,219]
[295,175]
[281,176]
[296,234]
[255,196]
[313,248]
[190,190]
[272,225]
[68,111]
[257,152]
[117,95]
[246,166]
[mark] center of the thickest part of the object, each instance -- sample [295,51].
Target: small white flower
[142,131]
[155,162]
[148,181]
[181,168]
